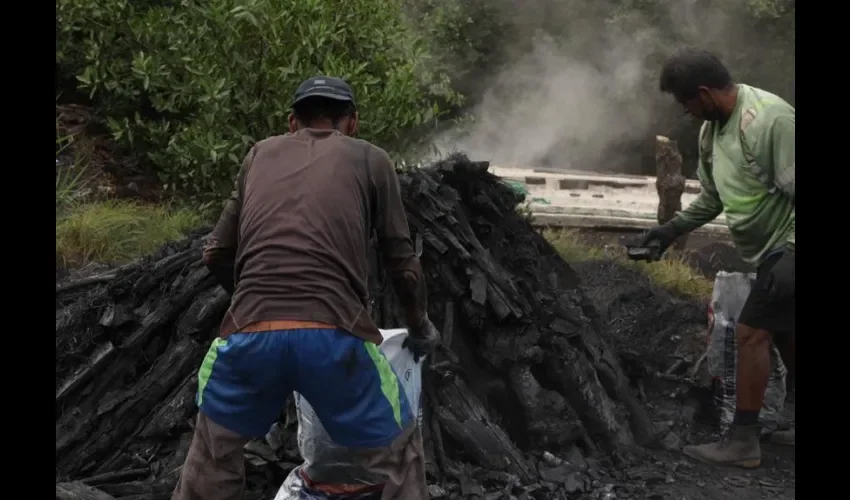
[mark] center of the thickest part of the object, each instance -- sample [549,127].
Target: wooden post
[669,182]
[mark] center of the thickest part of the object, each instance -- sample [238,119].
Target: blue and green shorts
[245,379]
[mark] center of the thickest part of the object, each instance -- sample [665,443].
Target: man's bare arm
[220,253]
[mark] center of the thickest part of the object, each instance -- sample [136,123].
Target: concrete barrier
[598,201]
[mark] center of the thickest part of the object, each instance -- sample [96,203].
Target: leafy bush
[187,85]
[472,38]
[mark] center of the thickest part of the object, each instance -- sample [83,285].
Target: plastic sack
[727,301]
[332,464]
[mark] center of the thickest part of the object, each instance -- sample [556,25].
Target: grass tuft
[671,273]
[71,181]
[572,246]
[71,187]
[116,232]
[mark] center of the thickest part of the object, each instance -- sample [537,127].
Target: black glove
[422,340]
[780,280]
[662,236]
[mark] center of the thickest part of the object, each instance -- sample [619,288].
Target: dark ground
[705,253]
[653,330]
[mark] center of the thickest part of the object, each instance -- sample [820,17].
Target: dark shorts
[245,379]
[763,311]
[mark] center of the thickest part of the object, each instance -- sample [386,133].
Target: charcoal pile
[528,394]
[652,330]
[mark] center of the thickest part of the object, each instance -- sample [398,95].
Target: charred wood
[526,365]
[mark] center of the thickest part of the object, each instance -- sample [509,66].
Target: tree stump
[669,182]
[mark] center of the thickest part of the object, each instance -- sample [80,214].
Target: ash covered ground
[656,336]
[654,332]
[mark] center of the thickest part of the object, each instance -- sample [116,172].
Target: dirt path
[683,479]
[671,475]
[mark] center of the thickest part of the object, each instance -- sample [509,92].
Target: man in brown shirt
[291,246]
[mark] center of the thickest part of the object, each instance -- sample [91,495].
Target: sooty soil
[655,333]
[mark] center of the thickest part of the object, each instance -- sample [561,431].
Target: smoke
[552,107]
[584,94]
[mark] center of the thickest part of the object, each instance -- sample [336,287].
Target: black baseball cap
[324,86]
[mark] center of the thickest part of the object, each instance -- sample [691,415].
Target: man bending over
[746,167]
[291,246]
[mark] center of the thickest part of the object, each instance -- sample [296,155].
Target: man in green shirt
[747,169]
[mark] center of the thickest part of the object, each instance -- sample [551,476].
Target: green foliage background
[187,86]
[184,86]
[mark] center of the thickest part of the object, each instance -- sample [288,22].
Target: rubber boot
[785,438]
[739,447]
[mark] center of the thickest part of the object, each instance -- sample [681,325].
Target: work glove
[780,280]
[422,340]
[661,236]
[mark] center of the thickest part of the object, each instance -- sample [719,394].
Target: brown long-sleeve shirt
[293,239]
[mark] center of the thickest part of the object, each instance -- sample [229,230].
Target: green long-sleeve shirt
[756,190]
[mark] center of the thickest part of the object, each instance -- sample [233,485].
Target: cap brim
[327,95]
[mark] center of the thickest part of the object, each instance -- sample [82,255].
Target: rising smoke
[586,97]
[552,108]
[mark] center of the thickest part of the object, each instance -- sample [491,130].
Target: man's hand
[781,281]
[663,236]
[422,340]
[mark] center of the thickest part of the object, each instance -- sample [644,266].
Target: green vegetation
[180,89]
[672,273]
[90,228]
[183,88]
[70,186]
[71,180]
[187,86]
[116,232]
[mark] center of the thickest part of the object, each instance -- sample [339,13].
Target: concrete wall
[596,201]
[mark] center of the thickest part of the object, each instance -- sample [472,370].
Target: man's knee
[224,445]
[748,336]
[215,464]
[402,465]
